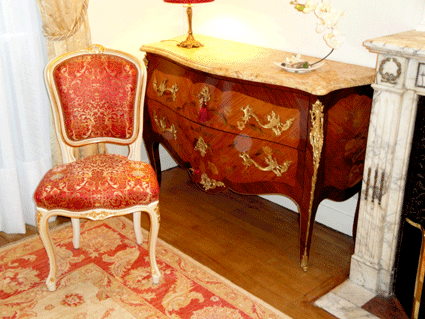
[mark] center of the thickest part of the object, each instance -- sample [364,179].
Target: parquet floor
[253,243]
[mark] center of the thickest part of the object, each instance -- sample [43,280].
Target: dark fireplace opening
[410,263]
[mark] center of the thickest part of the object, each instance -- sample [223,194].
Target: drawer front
[239,107]
[223,157]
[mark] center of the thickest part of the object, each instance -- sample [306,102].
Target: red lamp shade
[188,1]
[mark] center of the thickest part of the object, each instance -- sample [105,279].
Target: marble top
[409,43]
[254,63]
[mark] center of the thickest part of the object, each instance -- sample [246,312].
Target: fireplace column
[400,78]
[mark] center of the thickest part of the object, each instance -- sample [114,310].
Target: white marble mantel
[400,79]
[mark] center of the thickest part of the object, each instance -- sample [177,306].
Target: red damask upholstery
[98,181]
[97,96]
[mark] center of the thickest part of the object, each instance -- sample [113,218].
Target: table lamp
[190,41]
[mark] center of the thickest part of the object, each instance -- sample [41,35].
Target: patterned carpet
[109,277]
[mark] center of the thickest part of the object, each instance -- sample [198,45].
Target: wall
[126,25]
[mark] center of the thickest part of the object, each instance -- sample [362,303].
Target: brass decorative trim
[273,165]
[96,215]
[201,146]
[38,218]
[316,141]
[158,215]
[96,48]
[388,77]
[161,89]
[162,126]
[274,122]
[420,272]
[366,192]
[209,183]
[381,188]
[204,96]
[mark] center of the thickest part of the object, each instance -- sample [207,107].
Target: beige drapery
[66,28]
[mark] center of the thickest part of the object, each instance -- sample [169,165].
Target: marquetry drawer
[260,111]
[229,158]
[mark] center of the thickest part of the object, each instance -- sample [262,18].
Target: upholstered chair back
[97,97]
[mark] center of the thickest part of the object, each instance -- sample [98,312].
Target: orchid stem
[322,58]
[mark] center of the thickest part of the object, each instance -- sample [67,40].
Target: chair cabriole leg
[137,227]
[75,232]
[153,236]
[43,229]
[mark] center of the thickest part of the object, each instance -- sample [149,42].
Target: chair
[97,96]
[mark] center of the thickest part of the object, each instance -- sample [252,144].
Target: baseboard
[336,215]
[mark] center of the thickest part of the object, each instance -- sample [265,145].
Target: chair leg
[76,232]
[153,236]
[137,229]
[43,229]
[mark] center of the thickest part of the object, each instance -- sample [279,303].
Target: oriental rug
[108,277]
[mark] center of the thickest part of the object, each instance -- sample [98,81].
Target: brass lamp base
[190,42]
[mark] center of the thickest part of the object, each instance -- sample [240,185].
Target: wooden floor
[253,243]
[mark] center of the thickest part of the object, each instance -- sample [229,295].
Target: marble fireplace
[400,80]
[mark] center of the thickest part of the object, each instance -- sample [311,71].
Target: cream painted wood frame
[66,145]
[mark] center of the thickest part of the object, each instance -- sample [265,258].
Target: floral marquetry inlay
[161,89]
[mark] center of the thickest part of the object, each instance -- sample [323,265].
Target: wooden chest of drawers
[235,120]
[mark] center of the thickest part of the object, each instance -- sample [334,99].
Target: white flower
[321,26]
[309,6]
[334,39]
[327,23]
[329,20]
[322,8]
[293,59]
[332,18]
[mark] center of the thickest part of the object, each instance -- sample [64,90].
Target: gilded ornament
[274,122]
[420,273]
[209,183]
[96,48]
[316,141]
[161,89]
[96,215]
[201,146]
[158,215]
[369,172]
[389,77]
[273,165]
[161,123]
[204,96]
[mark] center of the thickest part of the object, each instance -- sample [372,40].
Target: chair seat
[105,181]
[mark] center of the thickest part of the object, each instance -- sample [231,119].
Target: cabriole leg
[43,229]
[154,228]
[76,232]
[137,229]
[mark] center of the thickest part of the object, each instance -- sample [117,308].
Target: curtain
[66,28]
[25,154]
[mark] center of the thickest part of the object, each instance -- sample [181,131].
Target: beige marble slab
[409,43]
[254,63]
